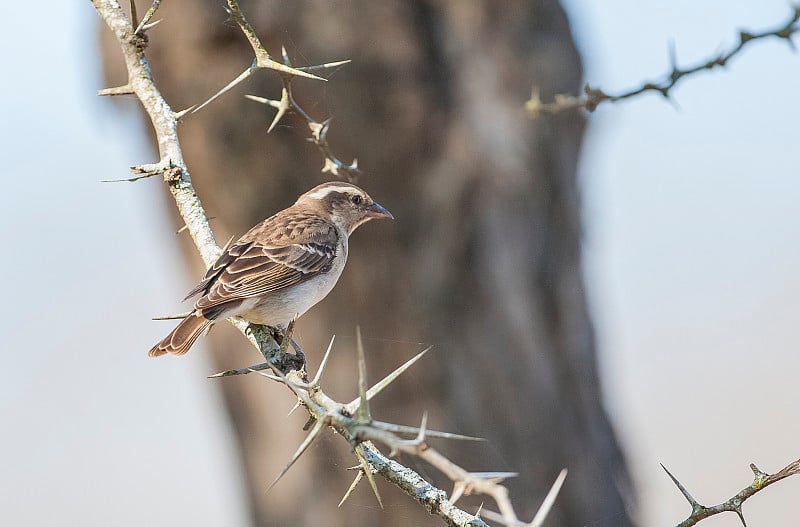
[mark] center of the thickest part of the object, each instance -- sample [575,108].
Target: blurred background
[607,295]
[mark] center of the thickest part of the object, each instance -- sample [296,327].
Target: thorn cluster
[287,102]
[354,422]
[319,130]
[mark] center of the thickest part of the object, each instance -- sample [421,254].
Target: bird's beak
[376,210]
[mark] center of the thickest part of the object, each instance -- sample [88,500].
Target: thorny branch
[171,164]
[592,97]
[354,422]
[319,130]
[734,504]
[360,430]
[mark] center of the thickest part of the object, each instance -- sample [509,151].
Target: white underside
[279,308]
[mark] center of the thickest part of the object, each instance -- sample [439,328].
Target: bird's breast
[280,307]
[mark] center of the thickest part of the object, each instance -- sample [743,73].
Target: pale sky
[692,253]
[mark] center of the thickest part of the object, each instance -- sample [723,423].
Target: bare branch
[433,499]
[263,59]
[287,72]
[592,97]
[761,480]
[164,124]
[319,131]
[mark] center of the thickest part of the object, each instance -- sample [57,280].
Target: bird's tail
[183,336]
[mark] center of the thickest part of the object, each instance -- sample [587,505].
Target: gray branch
[593,97]
[761,480]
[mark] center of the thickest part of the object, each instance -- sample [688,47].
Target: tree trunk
[483,260]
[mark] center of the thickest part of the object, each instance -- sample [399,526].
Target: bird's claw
[296,361]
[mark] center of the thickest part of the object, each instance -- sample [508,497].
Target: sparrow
[281,267]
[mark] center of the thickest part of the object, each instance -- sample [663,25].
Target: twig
[262,60]
[287,102]
[592,97]
[319,130]
[734,504]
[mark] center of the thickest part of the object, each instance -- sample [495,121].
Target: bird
[281,267]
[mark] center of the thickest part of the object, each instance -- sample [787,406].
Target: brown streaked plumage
[281,267]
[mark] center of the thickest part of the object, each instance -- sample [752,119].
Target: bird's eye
[356,199]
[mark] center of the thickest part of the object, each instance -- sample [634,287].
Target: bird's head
[347,205]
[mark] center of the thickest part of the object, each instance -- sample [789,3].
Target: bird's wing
[225,259]
[264,261]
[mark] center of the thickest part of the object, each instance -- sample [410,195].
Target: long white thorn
[299,452]
[549,500]
[242,76]
[386,381]
[324,362]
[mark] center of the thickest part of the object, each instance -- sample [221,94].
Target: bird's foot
[296,361]
[298,351]
[278,334]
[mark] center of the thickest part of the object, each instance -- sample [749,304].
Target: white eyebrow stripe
[322,192]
